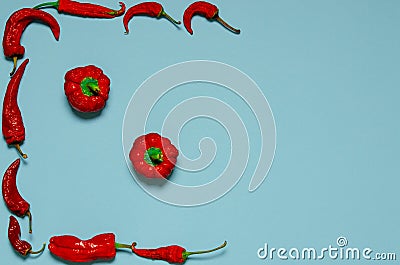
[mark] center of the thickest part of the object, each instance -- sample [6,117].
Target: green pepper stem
[169,18]
[94,87]
[90,86]
[38,251]
[226,25]
[119,245]
[153,156]
[187,254]
[47,4]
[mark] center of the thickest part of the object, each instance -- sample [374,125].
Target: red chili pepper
[83,9]
[12,124]
[21,246]
[152,9]
[171,254]
[16,25]
[87,88]
[206,10]
[13,199]
[71,248]
[153,156]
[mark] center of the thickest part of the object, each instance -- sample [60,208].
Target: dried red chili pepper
[153,156]
[16,25]
[171,254]
[83,9]
[152,9]
[87,88]
[71,248]
[206,10]
[21,246]
[12,124]
[13,199]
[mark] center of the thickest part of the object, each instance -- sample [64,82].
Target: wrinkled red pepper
[12,123]
[151,9]
[87,88]
[13,199]
[83,9]
[207,10]
[153,156]
[16,25]
[71,248]
[171,254]
[21,246]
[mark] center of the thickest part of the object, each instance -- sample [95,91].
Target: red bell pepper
[87,88]
[153,156]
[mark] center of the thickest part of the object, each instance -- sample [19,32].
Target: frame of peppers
[86,89]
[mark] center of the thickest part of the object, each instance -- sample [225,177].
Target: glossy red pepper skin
[172,254]
[12,123]
[158,169]
[17,23]
[207,10]
[71,248]
[84,9]
[21,246]
[87,88]
[13,199]
[151,9]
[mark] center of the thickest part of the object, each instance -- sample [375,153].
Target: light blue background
[329,70]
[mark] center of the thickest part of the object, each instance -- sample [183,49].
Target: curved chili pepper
[21,246]
[153,156]
[12,124]
[152,9]
[171,254]
[87,88]
[83,9]
[13,199]
[16,25]
[206,10]
[71,248]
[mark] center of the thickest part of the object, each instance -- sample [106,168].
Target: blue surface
[329,70]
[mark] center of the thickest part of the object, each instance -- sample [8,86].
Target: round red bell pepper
[87,88]
[153,156]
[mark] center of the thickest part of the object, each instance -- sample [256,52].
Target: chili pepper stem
[15,59]
[38,251]
[226,25]
[47,4]
[164,14]
[119,245]
[28,213]
[187,253]
[25,156]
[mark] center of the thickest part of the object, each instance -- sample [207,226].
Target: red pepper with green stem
[99,247]
[21,246]
[153,156]
[15,26]
[83,9]
[151,9]
[171,254]
[87,88]
[12,124]
[13,199]
[207,10]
